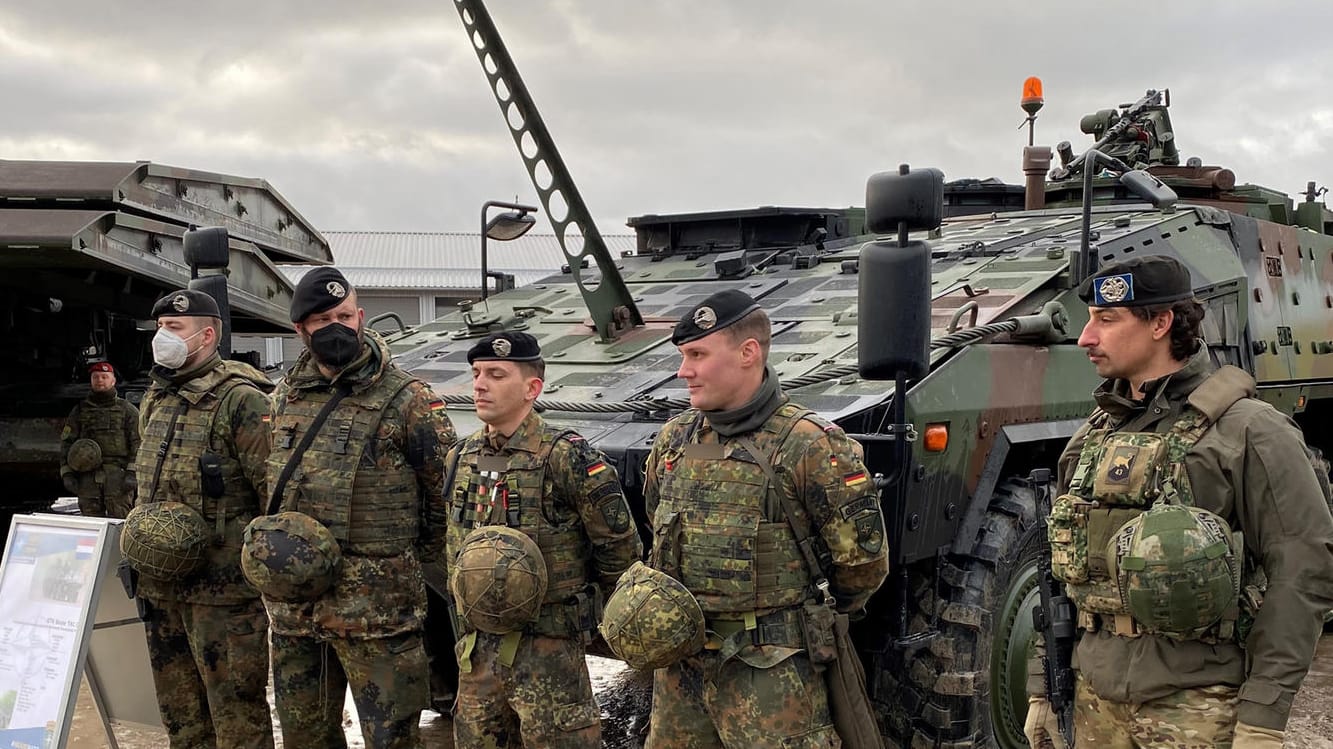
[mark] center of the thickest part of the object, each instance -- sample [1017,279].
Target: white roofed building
[422,275]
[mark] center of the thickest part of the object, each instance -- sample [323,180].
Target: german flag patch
[596,468]
[833,461]
[437,405]
[854,479]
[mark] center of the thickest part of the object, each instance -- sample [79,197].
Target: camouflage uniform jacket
[374,476]
[560,491]
[110,421]
[221,407]
[712,515]
[1250,468]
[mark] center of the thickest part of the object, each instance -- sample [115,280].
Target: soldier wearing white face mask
[201,464]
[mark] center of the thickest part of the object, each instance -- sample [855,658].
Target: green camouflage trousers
[210,667]
[389,681]
[785,705]
[115,506]
[1199,718]
[543,700]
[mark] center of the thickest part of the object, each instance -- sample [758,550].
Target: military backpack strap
[295,459]
[165,444]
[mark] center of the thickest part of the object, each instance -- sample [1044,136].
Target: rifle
[1054,618]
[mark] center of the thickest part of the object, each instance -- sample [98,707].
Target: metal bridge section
[607,298]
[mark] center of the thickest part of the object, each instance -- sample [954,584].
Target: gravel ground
[624,698]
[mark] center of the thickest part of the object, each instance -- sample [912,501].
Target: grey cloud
[376,116]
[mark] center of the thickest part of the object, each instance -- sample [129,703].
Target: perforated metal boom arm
[609,302]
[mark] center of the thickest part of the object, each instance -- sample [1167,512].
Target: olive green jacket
[1251,468]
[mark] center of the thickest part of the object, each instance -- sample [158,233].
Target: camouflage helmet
[84,455]
[289,556]
[651,620]
[1177,569]
[498,579]
[164,540]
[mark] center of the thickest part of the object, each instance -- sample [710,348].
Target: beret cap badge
[180,303]
[1114,289]
[705,318]
[336,289]
[501,346]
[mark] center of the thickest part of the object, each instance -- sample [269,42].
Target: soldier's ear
[534,388]
[751,353]
[1161,324]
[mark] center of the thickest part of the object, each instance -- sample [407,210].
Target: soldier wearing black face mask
[358,448]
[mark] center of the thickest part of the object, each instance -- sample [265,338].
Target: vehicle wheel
[966,687]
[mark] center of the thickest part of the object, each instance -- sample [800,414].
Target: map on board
[48,574]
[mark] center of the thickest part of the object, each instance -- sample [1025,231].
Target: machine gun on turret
[1139,135]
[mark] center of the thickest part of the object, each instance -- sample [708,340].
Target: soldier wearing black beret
[1171,430]
[204,444]
[549,484]
[325,314]
[707,489]
[717,312]
[186,303]
[321,289]
[507,346]
[1138,282]
[368,439]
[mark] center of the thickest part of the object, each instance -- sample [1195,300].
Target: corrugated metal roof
[443,260]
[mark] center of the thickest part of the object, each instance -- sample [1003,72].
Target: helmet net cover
[164,539]
[498,579]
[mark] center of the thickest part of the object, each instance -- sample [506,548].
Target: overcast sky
[376,115]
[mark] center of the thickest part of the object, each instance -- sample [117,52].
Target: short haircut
[755,325]
[535,368]
[1184,325]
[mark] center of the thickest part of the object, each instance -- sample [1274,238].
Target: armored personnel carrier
[954,446]
[85,250]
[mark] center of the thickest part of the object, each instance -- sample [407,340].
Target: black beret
[186,303]
[713,314]
[506,346]
[321,289]
[1138,282]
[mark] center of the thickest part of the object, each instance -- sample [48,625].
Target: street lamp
[511,224]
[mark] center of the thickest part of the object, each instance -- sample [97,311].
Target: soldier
[523,679]
[717,484]
[357,454]
[204,446]
[1175,649]
[97,446]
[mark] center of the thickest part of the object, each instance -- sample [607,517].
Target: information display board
[49,584]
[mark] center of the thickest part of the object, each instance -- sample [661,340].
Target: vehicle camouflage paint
[946,640]
[86,248]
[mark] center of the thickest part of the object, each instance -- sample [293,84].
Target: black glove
[71,483]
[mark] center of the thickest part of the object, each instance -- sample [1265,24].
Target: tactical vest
[1119,476]
[180,479]
[722,531]
[104,423]
[367,498]
[514,499]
